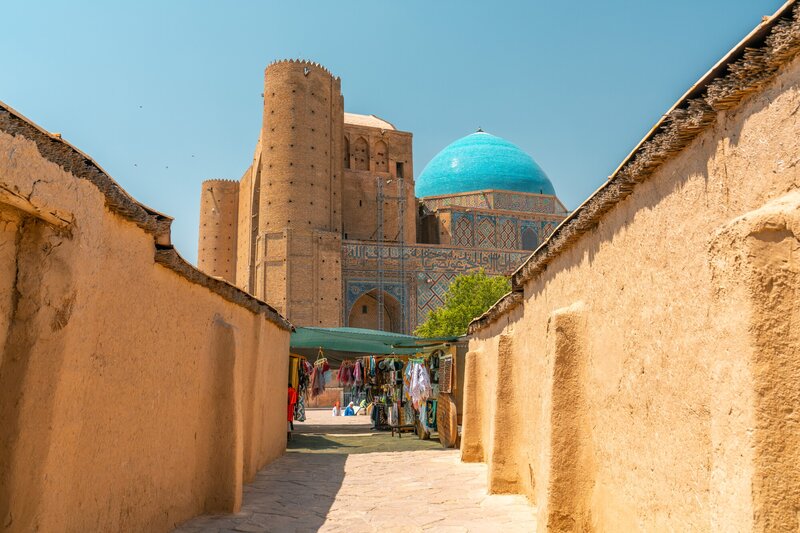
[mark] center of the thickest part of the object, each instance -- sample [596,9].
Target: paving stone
[250,528]
[417,489]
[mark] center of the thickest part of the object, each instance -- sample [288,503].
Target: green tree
[468,296]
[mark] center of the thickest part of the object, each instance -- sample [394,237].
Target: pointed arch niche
[364,313]
[381,157]
[361,154]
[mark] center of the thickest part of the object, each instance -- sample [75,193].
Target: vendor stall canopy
[339,343]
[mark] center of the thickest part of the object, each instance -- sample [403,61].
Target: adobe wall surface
[135,392]
[9,225]
[655,360]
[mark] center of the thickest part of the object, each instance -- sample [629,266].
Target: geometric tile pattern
[519,202]
[507,234]
[509,201]
[462,230]
[360,259]
[418,275]
[430,293]
[484,232]
[423,275]
[478,201]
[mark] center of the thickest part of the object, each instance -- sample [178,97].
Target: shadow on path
[356,444]
[295,493]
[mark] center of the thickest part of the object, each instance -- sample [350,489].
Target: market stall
[408,381]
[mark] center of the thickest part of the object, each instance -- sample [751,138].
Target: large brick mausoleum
[328,225]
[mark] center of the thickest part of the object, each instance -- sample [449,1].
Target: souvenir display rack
[406,393]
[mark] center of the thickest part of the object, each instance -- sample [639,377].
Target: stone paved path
[337,490]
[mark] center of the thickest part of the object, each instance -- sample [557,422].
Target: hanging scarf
[303,383]
[420,385]
[407,373]
[318,379]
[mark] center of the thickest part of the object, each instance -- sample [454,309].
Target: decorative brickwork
[430,293]
[316,182]
[417,275]
[462,230]
[524,202]
[479,201]
[500,200]
[355,288]
[499,232]
[484,232]
[507,234]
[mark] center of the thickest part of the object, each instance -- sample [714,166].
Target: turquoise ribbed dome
[482,161]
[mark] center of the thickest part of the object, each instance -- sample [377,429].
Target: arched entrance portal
[364,313]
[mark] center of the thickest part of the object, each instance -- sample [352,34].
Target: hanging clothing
[294,371]
[392,415]
[292,402]
[407,374]
[430,415]
[420,385]
[300,409]
[304,370]
[318,379]
[409,415]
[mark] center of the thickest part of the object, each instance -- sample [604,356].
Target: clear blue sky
[166,93]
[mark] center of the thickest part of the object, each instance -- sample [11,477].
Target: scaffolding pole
[401,230]
[379,249]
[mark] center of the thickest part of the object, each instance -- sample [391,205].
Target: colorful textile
[430,415]
[407,374]
[409,415]
[291,404]
[300,409]
[318,380]
[420,385]
[304,372]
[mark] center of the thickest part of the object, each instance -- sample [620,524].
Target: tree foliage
[468,296]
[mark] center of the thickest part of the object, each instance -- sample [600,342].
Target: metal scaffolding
[381,248]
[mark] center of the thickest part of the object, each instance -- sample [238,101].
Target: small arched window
[529,240]
[346,153]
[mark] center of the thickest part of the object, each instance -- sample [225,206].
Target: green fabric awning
[359,342]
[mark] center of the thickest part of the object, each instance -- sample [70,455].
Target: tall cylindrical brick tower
[219,204]
[302,136]
[298,247]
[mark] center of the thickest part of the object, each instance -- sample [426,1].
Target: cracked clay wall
[135,392]
[656,358]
